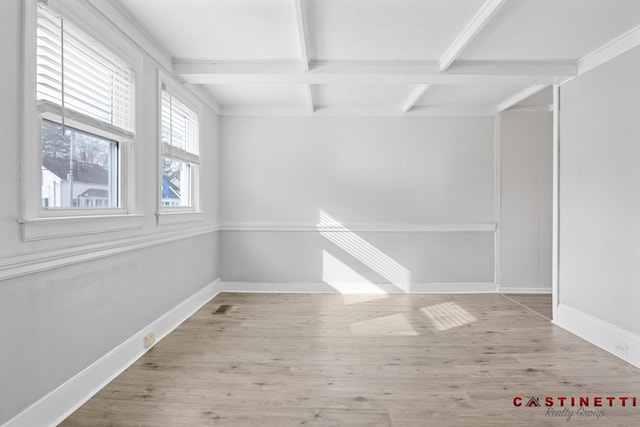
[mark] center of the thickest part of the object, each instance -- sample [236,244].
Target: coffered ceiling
[384,57]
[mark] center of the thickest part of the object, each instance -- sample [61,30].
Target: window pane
[79,170]
[175,182]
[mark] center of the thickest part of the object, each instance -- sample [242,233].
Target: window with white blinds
[180,129]
[78,77]
[180,140]
[85,97]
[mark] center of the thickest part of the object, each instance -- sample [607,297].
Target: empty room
[320,212]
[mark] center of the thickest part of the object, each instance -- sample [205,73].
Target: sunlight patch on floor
[392,325]
[447,315]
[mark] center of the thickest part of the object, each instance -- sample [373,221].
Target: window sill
[166,218]
[68,226]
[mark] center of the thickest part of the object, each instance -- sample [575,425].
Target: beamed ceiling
[380,57]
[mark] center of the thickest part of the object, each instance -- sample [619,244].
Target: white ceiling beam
[302,33]
[311,106]
[465,72]
[303,39]
[414,96]
[521,96]
[473,28]
[558,68]
[615,47]
[358,111]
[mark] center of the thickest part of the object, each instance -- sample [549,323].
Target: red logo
[533,402]
[577,401]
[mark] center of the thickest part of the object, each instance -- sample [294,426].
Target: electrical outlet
[621,349]
[149,340]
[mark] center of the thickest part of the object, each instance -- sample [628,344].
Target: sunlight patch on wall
[364,251]
[447,315]
[393,325]
[347,281]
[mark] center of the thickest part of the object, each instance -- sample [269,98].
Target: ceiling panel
[386,30]
[552,29]
[542,98]
[259,94]
[468,95]
[220,29]
[350,94]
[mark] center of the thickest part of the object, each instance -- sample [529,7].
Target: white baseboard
[523,290]
[603,334]
[360,288]
[453,288]
[64,400]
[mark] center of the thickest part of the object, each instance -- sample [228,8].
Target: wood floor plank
[392,360]
[537,303]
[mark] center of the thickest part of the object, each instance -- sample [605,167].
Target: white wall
[66,302]
[408,188]
[600,204]
[526,141]
[56,323]
[9,122]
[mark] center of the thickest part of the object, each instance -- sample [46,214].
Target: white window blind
[78,77]
[180,129]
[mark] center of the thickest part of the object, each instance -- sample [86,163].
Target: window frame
[45,114]
[176,214]
[38,222]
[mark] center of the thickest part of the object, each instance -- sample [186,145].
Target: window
[85,101]
[79,169]
[180,140]
[78,157]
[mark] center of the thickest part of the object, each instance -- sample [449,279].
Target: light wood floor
[385,360]
[538,303]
